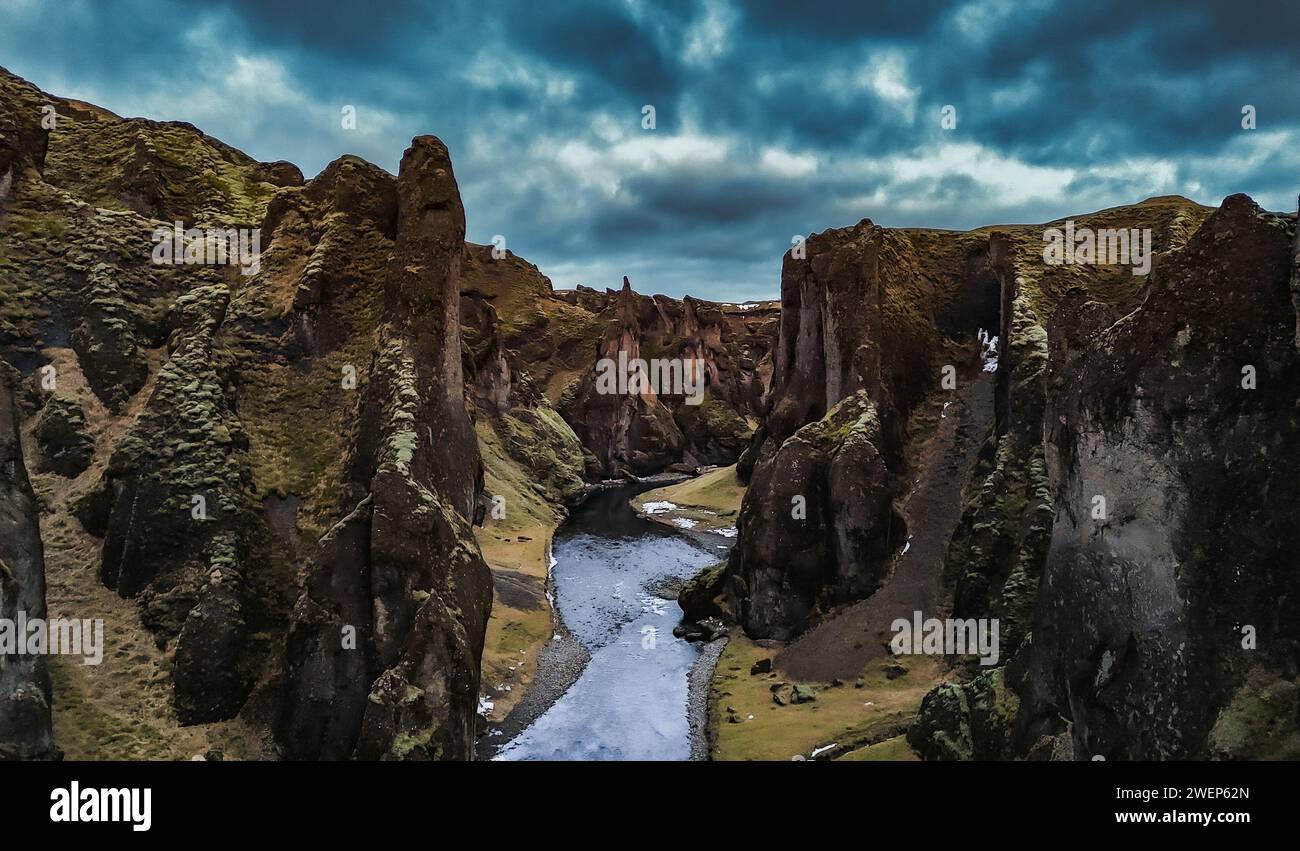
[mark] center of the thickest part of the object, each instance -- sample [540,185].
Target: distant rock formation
[528,338]
[645,432]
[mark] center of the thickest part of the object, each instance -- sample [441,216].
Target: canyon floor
[370,497]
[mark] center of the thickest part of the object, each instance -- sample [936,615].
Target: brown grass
[851,717]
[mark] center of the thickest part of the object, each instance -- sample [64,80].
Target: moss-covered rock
[179,515]
[701,596]
[1163,549]
[963,721]
[64,438]
[817,522]
[401,571]
[1260,720]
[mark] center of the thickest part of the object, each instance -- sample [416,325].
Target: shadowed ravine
[631,700]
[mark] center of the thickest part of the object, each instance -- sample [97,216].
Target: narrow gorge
[367,499]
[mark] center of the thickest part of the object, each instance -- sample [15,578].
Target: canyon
[314,504]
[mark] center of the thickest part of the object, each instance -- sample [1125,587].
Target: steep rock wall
[1159,471]
[1138,635]
[401,569]
[864,317]
[26,730]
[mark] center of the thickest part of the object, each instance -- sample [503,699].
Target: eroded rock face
[645,432]
[509,401]
[179,516]
[1138,634]
[62,434]
[996,554]
[1122,634]
[22,140]
[534,351]
[971,721]
[325,259]
[856,314]
[860,343]
[26,730]
[1166,479]
[401,572]
[819,523]
[253,393]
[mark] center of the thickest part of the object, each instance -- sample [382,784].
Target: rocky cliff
[1135,617]
[532,342]
[278,465]
[644,432]
[1125,519]
[271,449]
[870,318]
[1165,603]
[25,722]
[400,574]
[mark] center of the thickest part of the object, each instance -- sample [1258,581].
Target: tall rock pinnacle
[401,573]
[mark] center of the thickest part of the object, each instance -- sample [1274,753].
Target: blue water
[630,701]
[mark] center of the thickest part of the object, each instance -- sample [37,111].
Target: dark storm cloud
[336,29]
[772,118]
[822,21]
[603,45]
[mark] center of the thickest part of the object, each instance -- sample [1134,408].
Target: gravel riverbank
[559,664]
[697,698]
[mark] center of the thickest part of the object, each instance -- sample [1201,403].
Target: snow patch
[989,351]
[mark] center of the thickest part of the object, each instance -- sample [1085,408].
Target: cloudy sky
[771,118]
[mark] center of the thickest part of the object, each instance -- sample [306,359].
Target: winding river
[631,700]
